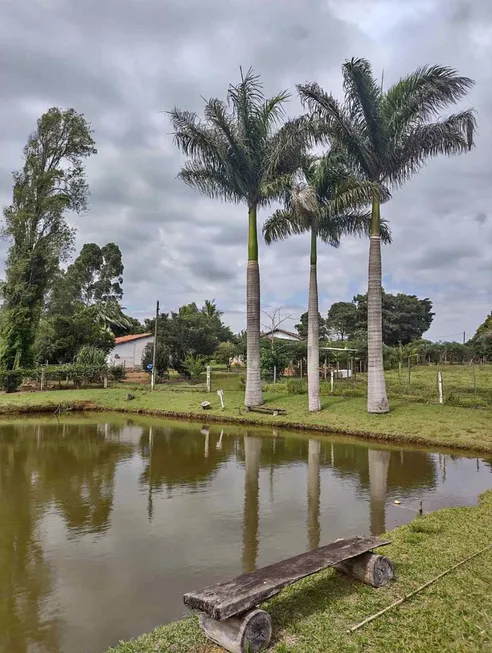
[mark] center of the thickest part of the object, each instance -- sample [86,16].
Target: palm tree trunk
[377,400]
[313,330]
[254,394]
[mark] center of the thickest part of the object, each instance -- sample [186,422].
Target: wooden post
[209,378]
[332,374]
[474,380]
[439,385]
[42,379]
[369,568]
[399,371]
[105,381]
[275,374]
[324,369]
[409,371]
[248,633]
[300,367]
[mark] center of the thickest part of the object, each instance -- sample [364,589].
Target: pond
[106,521]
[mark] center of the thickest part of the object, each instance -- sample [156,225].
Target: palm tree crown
[389,135]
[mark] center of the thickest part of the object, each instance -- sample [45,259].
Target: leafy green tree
[388,136]
[342,319]
[278,356]
[61,335]
[90,355]
[325,202]
[225,352]
[95,277]
[481,342]
[194,365]
[302,326]
[405,317]
[161,358]
[50,183]
[240,154]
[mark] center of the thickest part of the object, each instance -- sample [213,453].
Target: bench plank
[226,599]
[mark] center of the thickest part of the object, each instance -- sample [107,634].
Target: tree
[388,136]
[324,203]
[51,182]
[240,155]
[481,342]
[61,335]
[95,277]
[404,317]
[302,327]
[161,357]
[341,319]
[225,352]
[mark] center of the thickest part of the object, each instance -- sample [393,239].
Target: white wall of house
[129,353]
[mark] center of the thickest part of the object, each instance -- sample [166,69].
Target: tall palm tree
[240,153]
[323,200]
[388,136]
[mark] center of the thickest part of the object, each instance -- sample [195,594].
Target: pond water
[106,521]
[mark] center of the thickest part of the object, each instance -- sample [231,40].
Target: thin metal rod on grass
[419,589]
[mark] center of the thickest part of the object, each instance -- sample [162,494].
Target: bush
[90,356]
[11,380]
[161,358]
[297,387]
[117,373]
[194,365]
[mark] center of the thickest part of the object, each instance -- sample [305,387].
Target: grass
[407,423]
[454,614]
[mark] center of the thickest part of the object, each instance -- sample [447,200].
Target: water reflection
[98,516]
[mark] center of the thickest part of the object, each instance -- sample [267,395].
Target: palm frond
[350,223]
[454,135]
[246,98]
[194,138]
[210,181]
[421,95]
[363,96]
[282,224]
[286,149]
[338,126]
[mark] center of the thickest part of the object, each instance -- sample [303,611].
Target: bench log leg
[249,632]
[369,568]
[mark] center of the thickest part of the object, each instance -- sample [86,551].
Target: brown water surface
[106,521]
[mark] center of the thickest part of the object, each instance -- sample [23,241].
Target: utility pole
[152,376]
[464,337]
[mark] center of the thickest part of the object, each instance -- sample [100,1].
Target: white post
[332,375]
[154,349]
[219,443]
[439,385]
[275,374]
[42,379]
[209,378]
[220,392]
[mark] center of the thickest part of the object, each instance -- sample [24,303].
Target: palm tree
[387,137]
[322,200]
[241,154]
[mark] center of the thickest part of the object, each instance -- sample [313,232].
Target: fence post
[474,380]
[332,376]
[275,374]
[209,378]
[42,379]
[324,369]
[399,371]
[409,372]
[439,385]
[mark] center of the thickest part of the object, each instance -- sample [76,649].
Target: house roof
[268,334]
[135,336]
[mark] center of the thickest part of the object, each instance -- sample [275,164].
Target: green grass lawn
[411,423]
[454,614]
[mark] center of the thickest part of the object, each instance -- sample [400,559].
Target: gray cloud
[124,62]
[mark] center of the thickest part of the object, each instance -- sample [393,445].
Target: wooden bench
[228,611]
[265,410]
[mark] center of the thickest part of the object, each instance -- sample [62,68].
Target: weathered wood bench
[228,611]
[265,410]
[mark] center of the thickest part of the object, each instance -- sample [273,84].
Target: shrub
[11,379]
[194,365]
[90,356]
[296,387]
[117,373]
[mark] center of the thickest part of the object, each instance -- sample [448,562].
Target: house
[281,334]
[128,350]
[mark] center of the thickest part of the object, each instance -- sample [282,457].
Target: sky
[124,63]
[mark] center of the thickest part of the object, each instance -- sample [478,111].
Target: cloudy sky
[123,62]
